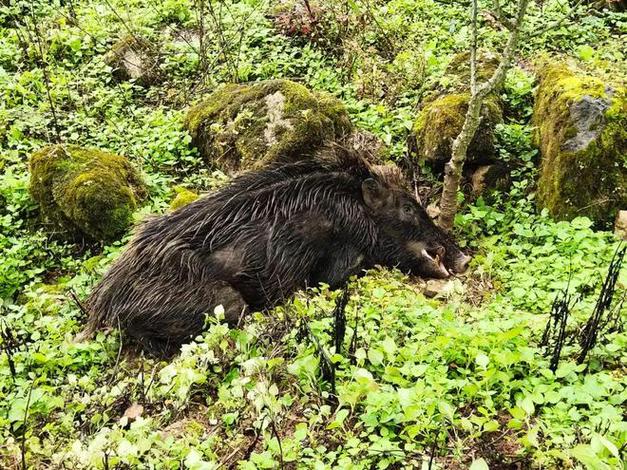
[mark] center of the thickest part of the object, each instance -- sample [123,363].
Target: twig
[9,345]
[23,443]
[556,23]
[339,314]
[326,365]
[353,345]
[117,360]
[278,438]
[44,70]
[473,48]
[432,450]
[555,331]
[78,303]
[124,23]
[498,13]
[595,325]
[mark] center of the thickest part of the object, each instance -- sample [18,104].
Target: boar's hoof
[235,308]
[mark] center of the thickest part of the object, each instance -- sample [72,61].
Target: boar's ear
[374,193]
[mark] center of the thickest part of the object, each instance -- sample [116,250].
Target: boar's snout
[438,260]
[429,259]
[461,264]
[455,260]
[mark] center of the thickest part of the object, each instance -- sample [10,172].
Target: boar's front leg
[235,308]
[340,263]
[293,249]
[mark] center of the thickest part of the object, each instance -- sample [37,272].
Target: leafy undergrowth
[447,383]
[459,380]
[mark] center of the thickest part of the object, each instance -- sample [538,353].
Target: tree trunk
[453,170]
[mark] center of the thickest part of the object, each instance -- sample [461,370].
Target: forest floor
[460,380]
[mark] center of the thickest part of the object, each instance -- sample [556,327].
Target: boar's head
[409,239]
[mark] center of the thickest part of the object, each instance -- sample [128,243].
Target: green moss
[88,192]
[440,122]
[183,197]
[244,126]
[459,69]
[584,157]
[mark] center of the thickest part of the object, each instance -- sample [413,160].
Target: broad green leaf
[527,405]
[482,360]
[587,456]
[375,356]
[479,464]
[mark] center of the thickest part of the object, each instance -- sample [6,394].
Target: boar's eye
[407,209]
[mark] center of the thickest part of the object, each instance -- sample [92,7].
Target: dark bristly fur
[254,243]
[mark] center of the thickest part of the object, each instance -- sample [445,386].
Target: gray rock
[588,117]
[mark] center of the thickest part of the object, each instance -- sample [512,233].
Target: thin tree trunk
[478,93]
[453,170]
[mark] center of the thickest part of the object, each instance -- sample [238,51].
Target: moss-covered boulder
[457,73]
[134,58]
[581,130]
[90,193]
[246,126]
[183,197]
[440,122]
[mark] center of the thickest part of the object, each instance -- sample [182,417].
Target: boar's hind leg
[178,317]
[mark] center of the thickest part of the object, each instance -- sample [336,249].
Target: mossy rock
[458,69]
[90,193]
[183,197]
[456,77]
[440,122]
[487,63]
[134,58]
[581,130]
[247,126]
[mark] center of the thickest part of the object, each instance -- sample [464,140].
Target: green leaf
[482,360]
[378,293]
[389,346]
[587,456]
[446,409]
[599,441]
[301,431]
[340,416]
[527,405]
[375,356]
[491,426]
[479,464]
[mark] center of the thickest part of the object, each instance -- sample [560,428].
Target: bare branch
[122,20]
[44,70]
[500,16]
[473,49]
[508,54]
